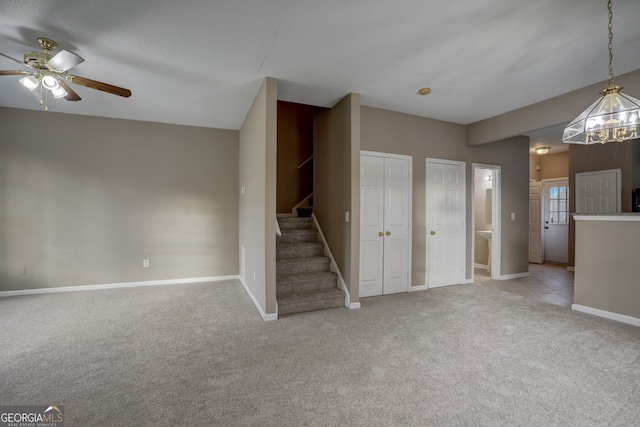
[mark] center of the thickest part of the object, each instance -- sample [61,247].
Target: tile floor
[551,283]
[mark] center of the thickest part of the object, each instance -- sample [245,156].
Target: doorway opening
[486,226]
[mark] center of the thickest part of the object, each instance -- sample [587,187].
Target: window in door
[559,205]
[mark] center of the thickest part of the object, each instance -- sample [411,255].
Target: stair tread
[309,296]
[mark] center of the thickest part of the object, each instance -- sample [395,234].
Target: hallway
[551,283]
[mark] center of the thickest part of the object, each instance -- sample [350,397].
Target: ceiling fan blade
[14,73]
[71,94]
[93,84]
[13,59]
[65,60]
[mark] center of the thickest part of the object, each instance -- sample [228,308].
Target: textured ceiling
[200,62]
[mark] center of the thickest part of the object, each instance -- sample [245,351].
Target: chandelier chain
[610,43]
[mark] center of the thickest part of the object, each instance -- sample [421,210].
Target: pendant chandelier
[615,117]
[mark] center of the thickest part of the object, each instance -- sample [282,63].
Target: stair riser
[302,267]
[306,285]
[284,309]
[295,224]
[301,250]
[298,236]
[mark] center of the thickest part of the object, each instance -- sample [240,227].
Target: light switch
[346,216]
[243,190]
[513,216]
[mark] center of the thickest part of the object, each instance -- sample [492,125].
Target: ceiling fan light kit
[614,117]
[30,82]
[50,73]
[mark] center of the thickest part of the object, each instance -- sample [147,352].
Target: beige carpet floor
[200,355]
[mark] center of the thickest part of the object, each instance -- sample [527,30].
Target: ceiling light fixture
[613,117]
[542,150]
[30,82]
[424,91]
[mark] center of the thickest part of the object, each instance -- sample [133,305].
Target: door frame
[463,255]
[545,188]
[410,208]
[496,216]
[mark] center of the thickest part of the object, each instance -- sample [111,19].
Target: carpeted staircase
[303,279]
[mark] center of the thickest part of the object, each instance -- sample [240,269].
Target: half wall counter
[607,266]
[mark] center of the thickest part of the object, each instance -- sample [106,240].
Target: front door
[385,224]
[446,222]
[556,220]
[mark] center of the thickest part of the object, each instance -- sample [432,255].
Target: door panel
[445,222]
[535,222]
[371,224]
[396,217]
[598,192]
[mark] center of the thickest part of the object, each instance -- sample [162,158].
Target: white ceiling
[200,62]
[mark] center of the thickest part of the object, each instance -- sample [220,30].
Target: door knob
[380,233]
[432,232]
[388,233]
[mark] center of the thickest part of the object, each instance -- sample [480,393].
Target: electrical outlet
[22,270]
[145,263]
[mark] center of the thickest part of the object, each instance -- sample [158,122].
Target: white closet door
[385,229]
[396,229]
[371,225]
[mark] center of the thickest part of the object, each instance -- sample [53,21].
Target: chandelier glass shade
[614,117]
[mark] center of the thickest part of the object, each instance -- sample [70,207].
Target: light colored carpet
[200,355]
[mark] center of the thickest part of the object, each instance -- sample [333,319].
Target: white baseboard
[265,317]
[607,314]
[116,285]
[514,276]
[571,268]
[354,305]
[483,266]
[418,288]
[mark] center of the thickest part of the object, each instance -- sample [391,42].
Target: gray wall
[551,112]
[83,200]
[392,132]
[257,208]
[336,157]
[606,275]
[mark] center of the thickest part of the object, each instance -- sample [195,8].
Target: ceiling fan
[51,73]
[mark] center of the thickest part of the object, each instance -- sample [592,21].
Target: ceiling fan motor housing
[37,60]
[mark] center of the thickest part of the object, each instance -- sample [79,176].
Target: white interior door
[535,222]
[446,222]
[598,192]
[371,225]
[396,226]
[556,220]
[385,224]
